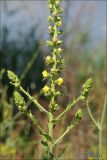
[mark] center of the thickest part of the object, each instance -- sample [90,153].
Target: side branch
[34,121]
[89,111]
[34,101]
[69,106]
[14,80]
[65,133]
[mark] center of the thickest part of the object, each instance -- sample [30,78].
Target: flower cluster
[54,60]
[86,88]
[13,78]
[19,101]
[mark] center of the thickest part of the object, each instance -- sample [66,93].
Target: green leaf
[44,143]
[47,137]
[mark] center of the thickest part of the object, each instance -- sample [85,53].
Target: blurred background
[23,32]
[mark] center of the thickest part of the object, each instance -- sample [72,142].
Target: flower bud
[55,51]
[86,87]
[13,78]
[59,42]
[57,93]
[59,50]
[50,19]
[57,2]
[59,18]
[88,84]
[19,101]
[54,39]
[59,24]
[54,71]
[49,60]
[60,10]
[50,29]
[49,43]
[56,107]
[79,115]
[54,13]
[82,98]
[50,6]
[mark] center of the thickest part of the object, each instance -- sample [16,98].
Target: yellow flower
[48,60]
[45,74]
[60,81]
[46,89]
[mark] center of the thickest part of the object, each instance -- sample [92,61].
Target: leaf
[54,121]
[49,138]
[44,143]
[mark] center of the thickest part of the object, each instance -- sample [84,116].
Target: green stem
[35,122]
[104,110]
[64,134]
[69,106]
[89,111]
[101,128]
[34,101]
[100,143]
[50,130]
[52,102]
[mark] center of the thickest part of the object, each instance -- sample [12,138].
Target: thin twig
[89,111]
